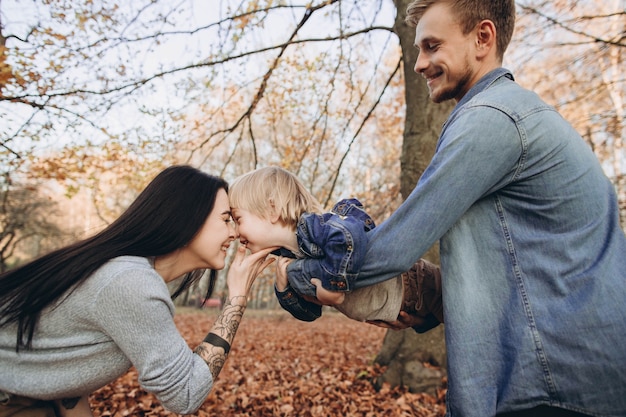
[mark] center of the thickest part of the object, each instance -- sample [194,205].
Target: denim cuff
[297,306]
[298,280]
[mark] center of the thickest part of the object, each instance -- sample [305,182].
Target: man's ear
[485,39]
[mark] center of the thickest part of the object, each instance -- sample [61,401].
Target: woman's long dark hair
[165,217]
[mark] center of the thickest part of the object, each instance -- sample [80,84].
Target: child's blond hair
[273,190]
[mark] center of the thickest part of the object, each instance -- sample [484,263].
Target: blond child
[271,207]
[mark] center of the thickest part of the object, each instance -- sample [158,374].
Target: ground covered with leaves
[279,366]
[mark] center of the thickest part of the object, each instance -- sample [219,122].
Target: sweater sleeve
[136,311]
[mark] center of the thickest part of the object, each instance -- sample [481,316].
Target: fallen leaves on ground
[282,367]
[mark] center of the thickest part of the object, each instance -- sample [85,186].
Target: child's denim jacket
[338,242]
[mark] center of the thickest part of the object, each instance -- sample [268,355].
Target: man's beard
[454,91]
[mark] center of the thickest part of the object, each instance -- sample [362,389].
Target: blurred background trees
[99,96]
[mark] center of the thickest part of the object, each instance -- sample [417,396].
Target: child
[271,207]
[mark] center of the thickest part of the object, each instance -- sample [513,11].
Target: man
[533,259]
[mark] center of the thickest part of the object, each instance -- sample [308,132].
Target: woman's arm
[241,274]
[215,347]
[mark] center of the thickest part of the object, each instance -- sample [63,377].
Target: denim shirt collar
[480,86]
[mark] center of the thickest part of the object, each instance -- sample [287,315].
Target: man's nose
[420,63]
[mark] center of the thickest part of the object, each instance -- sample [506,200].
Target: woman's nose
[234,231]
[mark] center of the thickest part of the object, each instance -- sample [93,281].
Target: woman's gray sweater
[122,316]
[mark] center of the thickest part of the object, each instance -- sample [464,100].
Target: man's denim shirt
[336,243]
[533,258]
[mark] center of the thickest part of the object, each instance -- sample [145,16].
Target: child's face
[255,232]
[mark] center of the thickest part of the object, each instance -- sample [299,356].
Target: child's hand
[281,274]
[326,297]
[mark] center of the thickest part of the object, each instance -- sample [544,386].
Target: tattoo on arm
[225,327]
[213,356]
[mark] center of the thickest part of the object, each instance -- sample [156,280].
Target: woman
[78,318]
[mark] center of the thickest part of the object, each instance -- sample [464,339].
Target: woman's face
[210,245]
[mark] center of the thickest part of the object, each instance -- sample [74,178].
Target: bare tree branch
[363,122]
[618,41]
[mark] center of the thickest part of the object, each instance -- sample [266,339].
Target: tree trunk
[405,352]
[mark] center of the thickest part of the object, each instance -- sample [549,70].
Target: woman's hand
[244,269]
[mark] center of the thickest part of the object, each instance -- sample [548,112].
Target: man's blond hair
[469,13]
[272,190]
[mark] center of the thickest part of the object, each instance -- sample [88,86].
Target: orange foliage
[283,367]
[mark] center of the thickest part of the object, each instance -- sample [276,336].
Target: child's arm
[74,407]
[322,295]
[335,247]
[291,301]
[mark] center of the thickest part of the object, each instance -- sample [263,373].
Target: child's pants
[417,292]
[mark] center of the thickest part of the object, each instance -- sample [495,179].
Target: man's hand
[404,321]
[326,297]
